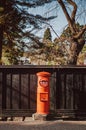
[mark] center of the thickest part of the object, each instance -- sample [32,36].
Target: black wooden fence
[18,85]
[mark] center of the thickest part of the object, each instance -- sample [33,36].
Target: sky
[59,23]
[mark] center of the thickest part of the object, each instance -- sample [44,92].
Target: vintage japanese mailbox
[43,93]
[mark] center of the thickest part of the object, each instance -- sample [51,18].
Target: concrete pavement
[43,125]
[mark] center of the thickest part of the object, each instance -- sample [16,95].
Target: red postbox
[43,93]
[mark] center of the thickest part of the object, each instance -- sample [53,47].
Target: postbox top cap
[43,73]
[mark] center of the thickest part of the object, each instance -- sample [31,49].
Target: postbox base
[42,117]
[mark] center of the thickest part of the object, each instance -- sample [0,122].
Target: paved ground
[43,125]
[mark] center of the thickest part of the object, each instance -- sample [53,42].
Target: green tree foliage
[15,19]
[73,35]
[47,34]
[51,53]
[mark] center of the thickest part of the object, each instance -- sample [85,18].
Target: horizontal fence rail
[18,86]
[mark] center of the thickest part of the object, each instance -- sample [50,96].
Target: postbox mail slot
[44,96]
[43,83]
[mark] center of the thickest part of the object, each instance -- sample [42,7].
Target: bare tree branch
[34,38]
[67,16]
[80,33]
[74,9]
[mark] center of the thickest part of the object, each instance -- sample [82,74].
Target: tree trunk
[1,41]
[77,42]
[75,49]
[2,4]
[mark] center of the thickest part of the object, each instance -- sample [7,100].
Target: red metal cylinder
[43,93]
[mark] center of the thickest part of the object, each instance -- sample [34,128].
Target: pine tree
[47,35]
[15,20]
